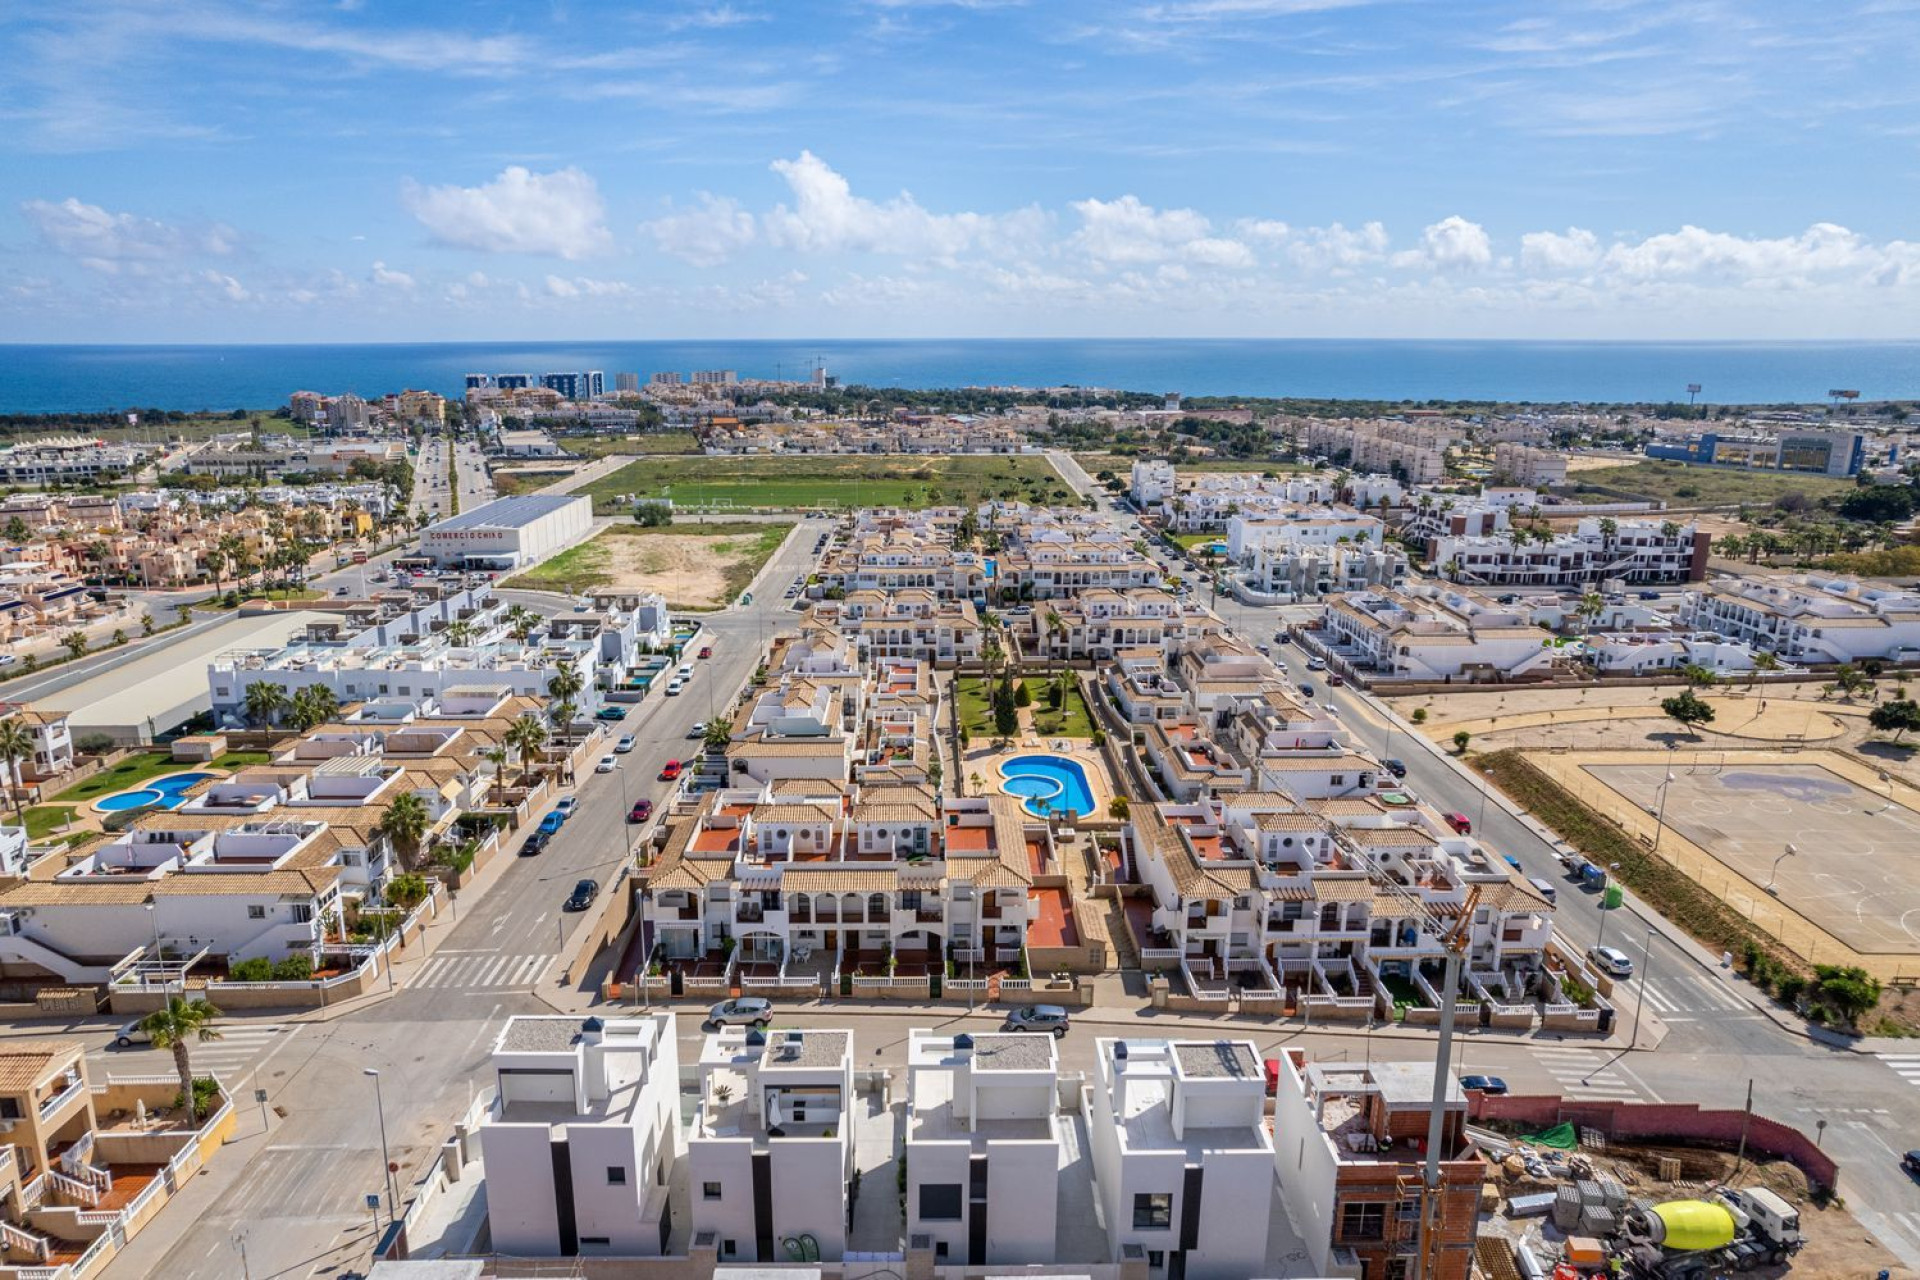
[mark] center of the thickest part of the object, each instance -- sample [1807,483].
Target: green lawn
[1684,485]
[1192,540]
[1122,465]
[44,819]
[976,713]
[647,442]
[136,769]
[744,546]
[790,483]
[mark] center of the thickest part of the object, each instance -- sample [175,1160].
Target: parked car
[1335,680]
[747,1011]
[607,765]
[566,806]
[1316,664]
[132,1034]
[1485,1084]
[1306,691]
[7,659]
[1649,595]
[670,771]
[1050,1018]
[699,729]
[584,892]
[674,686]
[625,744]
[1612,961]
[534,843]
[1910,1164]
[641,811]
[1459,822]
[1280,637]
[1395,766]
[686,671]
[706,651]
[610,713]
[551,824]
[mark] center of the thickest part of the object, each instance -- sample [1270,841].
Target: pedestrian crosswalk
[1592,1073]
[479,971]
[1904,1065]
[1675,997]
[242,1046]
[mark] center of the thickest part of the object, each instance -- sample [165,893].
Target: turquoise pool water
[163,792]
[1061,782]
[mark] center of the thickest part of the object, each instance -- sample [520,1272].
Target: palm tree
[528,737]
[1591,606]
[16,744]
[459,633]
[313,706]
[173,1027]
[522,621]
[405,824]
[75,643]
[497,757]
[1762,661]
[265,702]
[563,686]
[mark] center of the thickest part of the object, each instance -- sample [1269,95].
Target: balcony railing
[52,1106]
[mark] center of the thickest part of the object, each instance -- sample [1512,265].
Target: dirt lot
[695,569]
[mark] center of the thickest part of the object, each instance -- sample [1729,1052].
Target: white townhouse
[1809,618]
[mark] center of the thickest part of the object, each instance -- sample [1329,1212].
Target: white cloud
[1823,247]
[1128,230]
[559,214]
[705,236]
[1337,248]
[713,18]
[229,288]
[384,275]
[826,217]
[1552,252]
[584,287]
[1450,243]
[107,241]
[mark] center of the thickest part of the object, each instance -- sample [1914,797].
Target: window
[940,1202]
[939,1248]
[1363,1221]
[10,1109]
[302,912]
[256,911]
[709,1191]
[1156,1259]
[729,1247]
[1152,1211]
[616,1175]
[588,1242]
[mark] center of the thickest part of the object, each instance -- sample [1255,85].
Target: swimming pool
[1059,782]
[163,793]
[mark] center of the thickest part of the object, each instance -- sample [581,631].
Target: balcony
[65,1098]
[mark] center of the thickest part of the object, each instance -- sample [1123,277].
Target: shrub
[293,969]
[1022,696]
[257,969]
[1419,715]
[205,1090]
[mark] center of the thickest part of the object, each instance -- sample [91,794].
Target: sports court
[1856,872]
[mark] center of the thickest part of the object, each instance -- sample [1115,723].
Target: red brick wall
[1677,1122]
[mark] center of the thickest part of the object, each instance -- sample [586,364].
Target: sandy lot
[683,569]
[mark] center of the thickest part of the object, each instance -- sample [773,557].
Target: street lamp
[1888,779]
[1775,873]
[1660,823]
[386,1157]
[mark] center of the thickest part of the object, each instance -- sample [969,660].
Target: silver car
[747,1011]
[1050,1018]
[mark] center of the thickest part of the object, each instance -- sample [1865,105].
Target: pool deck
[985,763]
[200,776]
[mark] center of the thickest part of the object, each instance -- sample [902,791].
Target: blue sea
[49,378]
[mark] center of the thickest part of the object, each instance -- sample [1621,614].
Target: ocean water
[49,378]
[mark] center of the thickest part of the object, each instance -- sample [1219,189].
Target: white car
[686,671]
[1611,961]
[607,765]
[625,744]
[699,729]
[674,687]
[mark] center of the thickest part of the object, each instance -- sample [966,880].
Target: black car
[535,843]
[583,895]
[1492,1085]
[1398,768]
[1910,1164]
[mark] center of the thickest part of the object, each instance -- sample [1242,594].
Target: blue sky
[212,170]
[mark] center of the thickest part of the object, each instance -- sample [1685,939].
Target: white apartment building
[1152,482]
[983,1147]
[1183,1162]
[1431,632]
[1647,653]
[1200,500]
[1308,552]
[582,1140]
[770,1151]
[1412,452]
[52,753]
[1101,623]
[1639,552]
[1526,465]
[1809,618]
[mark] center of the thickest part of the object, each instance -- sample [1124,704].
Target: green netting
[1561,1137]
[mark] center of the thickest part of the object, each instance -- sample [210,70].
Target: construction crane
[1454,936]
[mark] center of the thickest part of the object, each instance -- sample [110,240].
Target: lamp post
[1887,778]
[386,1157]
[1660,822]
[1646,964]
[1772,875]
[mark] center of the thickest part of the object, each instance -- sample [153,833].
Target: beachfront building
[583,1140]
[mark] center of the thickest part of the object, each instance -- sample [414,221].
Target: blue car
[551,824]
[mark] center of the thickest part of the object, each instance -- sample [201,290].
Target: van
[1542,888]
[1459,822]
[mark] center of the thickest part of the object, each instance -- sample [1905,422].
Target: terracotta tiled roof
[836,879]
[26,1066]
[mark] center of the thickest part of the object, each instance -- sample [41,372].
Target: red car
[706,651]
[642,810]
[670,771]
[1335,680]
[1459,822]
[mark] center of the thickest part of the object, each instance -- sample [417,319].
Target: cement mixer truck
[1695,1239]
